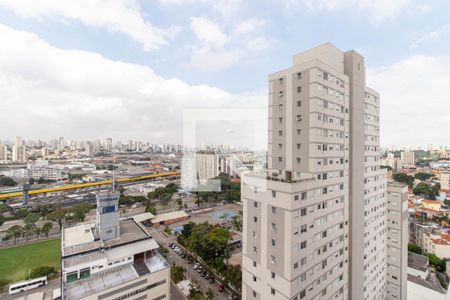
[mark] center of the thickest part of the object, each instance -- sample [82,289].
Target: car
[189,260]
[212,279]
[180,253]
[200,269]
[177,249]
[184,255]
[204,273]
[196,265]
[171,244]
[221,288]
[207,276]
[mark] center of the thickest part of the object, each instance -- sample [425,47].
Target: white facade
[316,228]
[444,179]
[207,166]
[3,152]
[19,153]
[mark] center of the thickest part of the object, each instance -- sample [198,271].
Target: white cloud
[215,60]
[208,32]
[117,15]
[378,10]
[46,91]
[430,36]
[249,26]
[415,108]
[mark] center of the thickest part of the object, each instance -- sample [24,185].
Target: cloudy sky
[125,69]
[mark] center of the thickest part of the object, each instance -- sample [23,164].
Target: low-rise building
[432,204]
[112,259]
[437,243]
[422,281]
[169,218]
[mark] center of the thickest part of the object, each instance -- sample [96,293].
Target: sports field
[16,262]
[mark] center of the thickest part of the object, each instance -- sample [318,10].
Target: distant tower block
[26,197]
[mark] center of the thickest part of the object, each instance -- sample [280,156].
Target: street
[190,273]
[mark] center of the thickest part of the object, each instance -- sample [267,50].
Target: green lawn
[16,261]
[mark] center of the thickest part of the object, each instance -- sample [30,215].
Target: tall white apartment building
[315,224]
[408,157]
[3,152]
[444,179]
[19,153]
[397,241]
[207,166]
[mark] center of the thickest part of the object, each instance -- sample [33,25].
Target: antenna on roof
[113,178]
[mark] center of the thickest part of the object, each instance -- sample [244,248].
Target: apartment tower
[315,223]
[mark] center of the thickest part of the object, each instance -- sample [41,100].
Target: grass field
[16,261]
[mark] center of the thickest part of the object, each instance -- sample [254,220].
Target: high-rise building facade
[19,153]
[397,241]
[3,152]
[315,224]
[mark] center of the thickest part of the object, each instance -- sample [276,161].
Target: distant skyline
[126,69]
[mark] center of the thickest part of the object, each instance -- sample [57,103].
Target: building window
[299,89]
[280,132]
[255,204]
[254,278]
[274,194]
[280,159]
[254,294]
[298,146]
[299,103]
[303,212]
[303,245]
[273,242]
[304,196]
[272,275]
[299,75]
[272,291]
[255,219]
[296,265]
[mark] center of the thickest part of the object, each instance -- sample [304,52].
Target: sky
[129,69]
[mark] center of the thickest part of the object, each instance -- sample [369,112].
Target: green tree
[31,219]
[3,208]
[414,248]
[2,219]
[80,210]
[210,294]
[423,176]
[187,229]
[7,181]
[46,228]
[176,273]
[405,178]
[15,232]
[233,275]
[21,213]
[165,198]
[58,215]
[435,261]
[28,231]
[31,181]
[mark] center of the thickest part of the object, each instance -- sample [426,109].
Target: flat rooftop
[417,261]
[113,277]
[81,238]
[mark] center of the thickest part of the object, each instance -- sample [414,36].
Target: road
[190,273]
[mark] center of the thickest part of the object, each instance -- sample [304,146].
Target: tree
[402,177]
[31,181]
[176,273]
[435,261]
[15,232]
[187,229]
[28,230]
[3,208]
[165,198]
[2,219]
[46,228]
[424,189]
[31,219]
[7,181]
[22,213]
[58,216]
[80,210]
[423,176]
[233,275]
[414,248]
[210,294]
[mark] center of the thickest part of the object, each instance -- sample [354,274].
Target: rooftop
[417,261]
[169,216]
[81,238]
[431,282]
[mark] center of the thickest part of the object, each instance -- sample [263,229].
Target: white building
[3,153]
[112,259]
[315,224]
[397,241]
[207,166]
[437,243]
[19,153]
[408,158]
[444,179]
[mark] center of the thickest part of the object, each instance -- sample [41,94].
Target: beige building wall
[315,227]
[397,245]
[3,152]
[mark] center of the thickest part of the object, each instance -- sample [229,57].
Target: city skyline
[121,71]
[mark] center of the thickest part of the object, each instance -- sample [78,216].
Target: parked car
[196,265]
[212,279]
[200,269]
[171,244]
[204,273]
[183,255]
[221,288]
[207,276]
